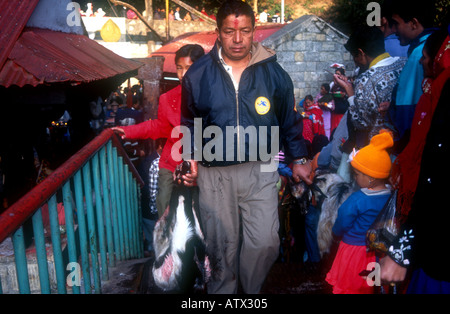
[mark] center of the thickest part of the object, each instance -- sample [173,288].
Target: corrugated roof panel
[51,57]
[13,74]
[13,18]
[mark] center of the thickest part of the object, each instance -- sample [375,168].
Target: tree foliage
[347,15]
[274,5]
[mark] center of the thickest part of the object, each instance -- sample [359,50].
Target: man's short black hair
[386,11]
[369,39]
[236,8]
[194,51]
[423,11]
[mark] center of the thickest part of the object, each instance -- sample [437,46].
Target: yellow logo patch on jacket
[262,105]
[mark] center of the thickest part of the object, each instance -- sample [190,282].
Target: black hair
[160,142]
[369,39]
[340,70]
[326,86]
[434,42]
[423,11]
[309,97]
[194,51]
[236,8]
[386,11]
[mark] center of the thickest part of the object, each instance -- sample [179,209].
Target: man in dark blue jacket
[237,102]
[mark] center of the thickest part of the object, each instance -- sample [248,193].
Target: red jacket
[317,119]
[168,118]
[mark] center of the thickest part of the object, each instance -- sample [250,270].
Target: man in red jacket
[168,119]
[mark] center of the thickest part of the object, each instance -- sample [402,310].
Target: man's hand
[119,131]
[391,272]
[189,179]
[302,173]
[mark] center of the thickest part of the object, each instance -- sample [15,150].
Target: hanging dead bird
[181,264]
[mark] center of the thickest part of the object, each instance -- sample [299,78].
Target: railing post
[119,205]
[135,218]
[134,200]
[41,251]
[20,258]
[91,227]
[100,220]
[56,244]
[82,232]
[123,209]
[107,206]
[141,230]
[70,232]
[129,210]
[113,185]
[137,202]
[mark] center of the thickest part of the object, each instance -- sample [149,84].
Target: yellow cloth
[379,58]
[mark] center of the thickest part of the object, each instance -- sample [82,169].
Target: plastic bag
[384,229]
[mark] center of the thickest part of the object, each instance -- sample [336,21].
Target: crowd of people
[382,129]
[394,119]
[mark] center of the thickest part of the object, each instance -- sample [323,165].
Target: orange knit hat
[373,160]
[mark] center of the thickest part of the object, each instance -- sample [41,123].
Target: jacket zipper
[237,126]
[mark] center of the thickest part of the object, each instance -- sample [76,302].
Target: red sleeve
[154,129]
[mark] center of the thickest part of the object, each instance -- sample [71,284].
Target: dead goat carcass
[181,264]
[335,192]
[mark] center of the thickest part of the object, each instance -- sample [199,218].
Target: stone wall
[305,48]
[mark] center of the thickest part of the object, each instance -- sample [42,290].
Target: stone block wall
[305,49]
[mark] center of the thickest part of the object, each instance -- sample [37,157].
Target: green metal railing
[98,189]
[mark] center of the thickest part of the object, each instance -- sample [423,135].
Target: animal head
[181,262]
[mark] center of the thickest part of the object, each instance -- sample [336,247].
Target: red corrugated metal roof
[13,74]
[207,40]
[45,56]
[14,16]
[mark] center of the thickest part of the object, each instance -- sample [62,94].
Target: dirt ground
[135,277]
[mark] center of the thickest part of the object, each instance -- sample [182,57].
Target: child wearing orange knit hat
[371,166]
